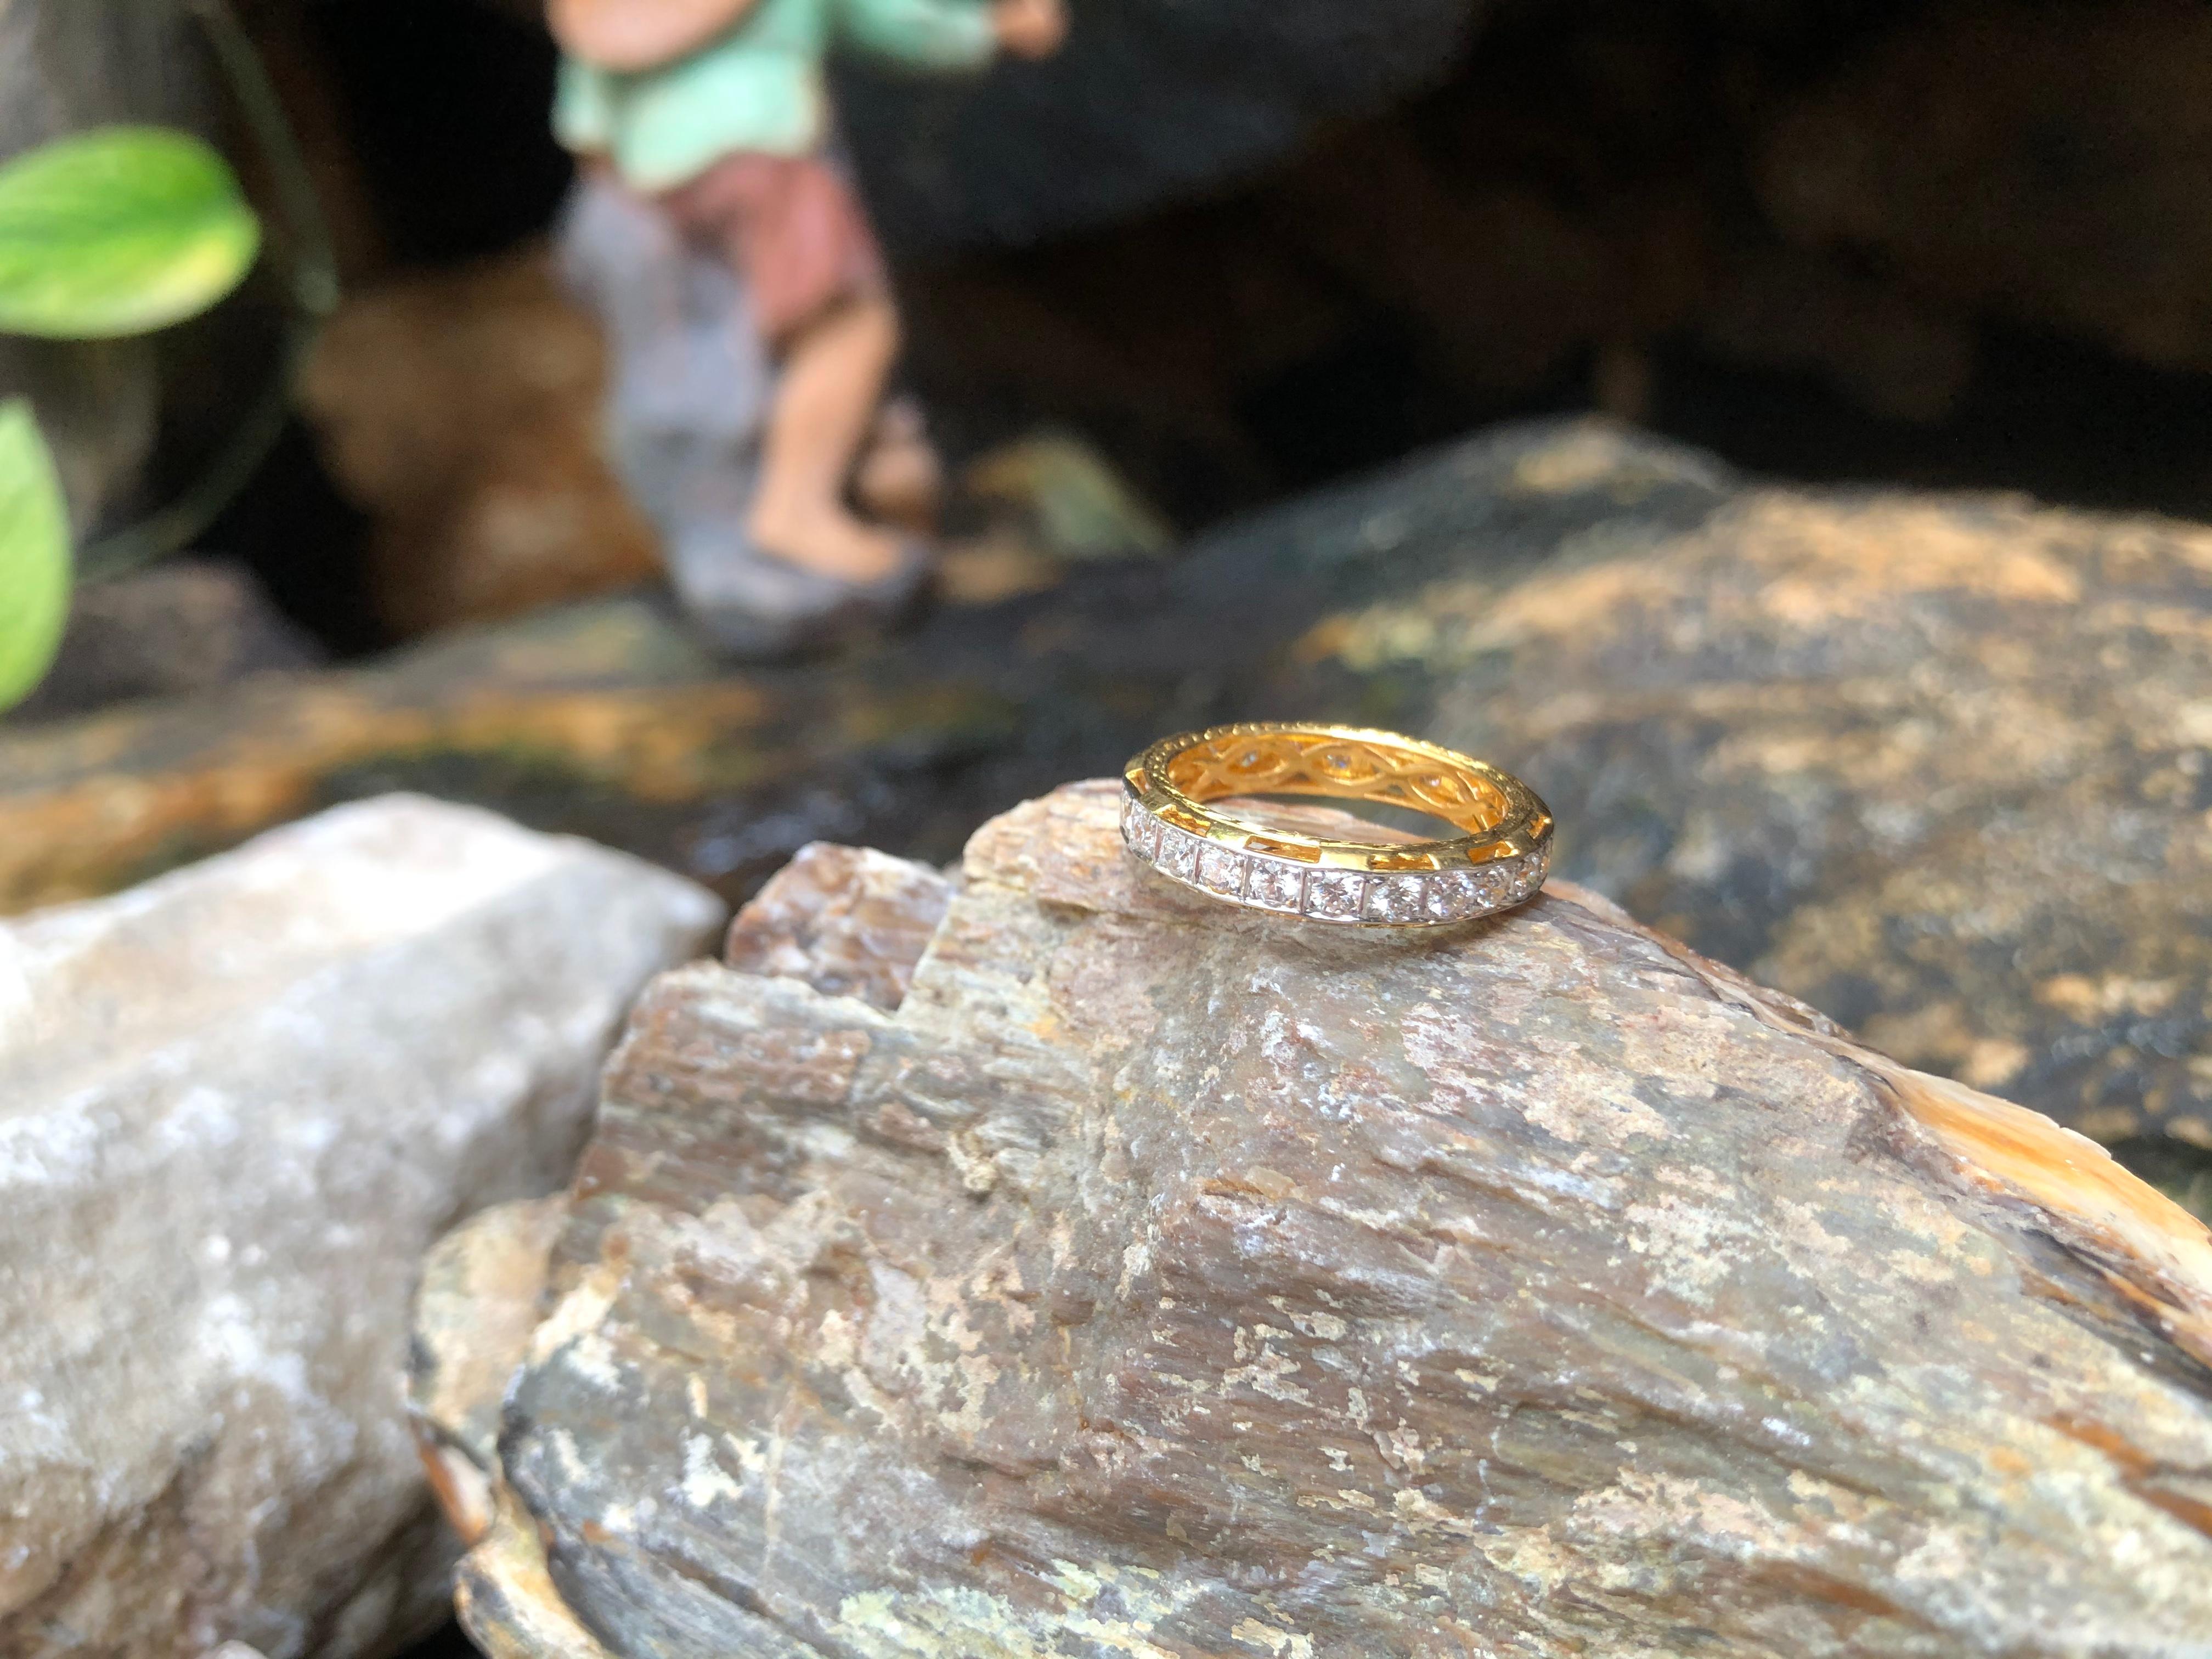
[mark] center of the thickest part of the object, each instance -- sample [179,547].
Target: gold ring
[1499,861]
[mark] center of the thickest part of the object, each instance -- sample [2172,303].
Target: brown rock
[462,410]
[847,921]
[569,712]
[1937,766]
[2049,164]
[1162,1279]
[475,1310]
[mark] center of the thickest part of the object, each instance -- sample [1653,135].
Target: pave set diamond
[1325,893]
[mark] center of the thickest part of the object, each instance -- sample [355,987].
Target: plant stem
[312,285]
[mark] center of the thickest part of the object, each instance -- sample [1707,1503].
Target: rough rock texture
[475,1308]
[1161,1279]
[1939,765]
[848,921]
[235,1106]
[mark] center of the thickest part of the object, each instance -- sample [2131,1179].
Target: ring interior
[1340,768]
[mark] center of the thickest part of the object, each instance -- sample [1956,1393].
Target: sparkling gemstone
[1449,894]
[1395,898]
[1221,869]
[1275,886]
[1145,837]
[1333,893]
[1178,854]
[1488,884]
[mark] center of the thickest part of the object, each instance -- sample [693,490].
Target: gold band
[1499,860]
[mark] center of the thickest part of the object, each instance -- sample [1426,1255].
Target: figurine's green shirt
[759,87]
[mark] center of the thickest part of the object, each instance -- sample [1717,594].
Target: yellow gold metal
[1499,858]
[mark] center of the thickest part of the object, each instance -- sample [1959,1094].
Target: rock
[1986,221]
[850,922]
[1069,501]
[1150,100]
[605,721]
[1161,1278]
[1935,765]
[845,920]
[241,1101]
[171,631]
[462,410]
[2040,164]
[475,1310]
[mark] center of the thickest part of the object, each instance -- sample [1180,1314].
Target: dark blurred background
[1951,245]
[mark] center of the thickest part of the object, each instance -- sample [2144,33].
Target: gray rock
[236,1105]
[1162,1279]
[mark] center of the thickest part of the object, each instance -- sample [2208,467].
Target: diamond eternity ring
[1169,821]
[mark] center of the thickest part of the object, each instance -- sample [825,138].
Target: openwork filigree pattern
[1346,768]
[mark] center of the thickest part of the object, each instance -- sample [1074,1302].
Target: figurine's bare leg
[833,379]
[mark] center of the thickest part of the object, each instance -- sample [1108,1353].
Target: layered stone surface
[1163,1279]
[1939,765]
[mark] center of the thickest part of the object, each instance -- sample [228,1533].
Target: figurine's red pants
[792,226]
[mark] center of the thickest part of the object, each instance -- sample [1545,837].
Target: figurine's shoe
[757,606]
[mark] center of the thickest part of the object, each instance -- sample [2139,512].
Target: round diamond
[1275,886]
[1178,854]
[1395,898]
[1488,885]
[1221,869]
[1334,894]
[1449,896]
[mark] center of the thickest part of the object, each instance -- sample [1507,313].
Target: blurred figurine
[718,235]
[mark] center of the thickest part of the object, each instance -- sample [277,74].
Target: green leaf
[119,230]
[35,554]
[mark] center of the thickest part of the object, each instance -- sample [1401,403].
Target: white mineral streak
[236,1103]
